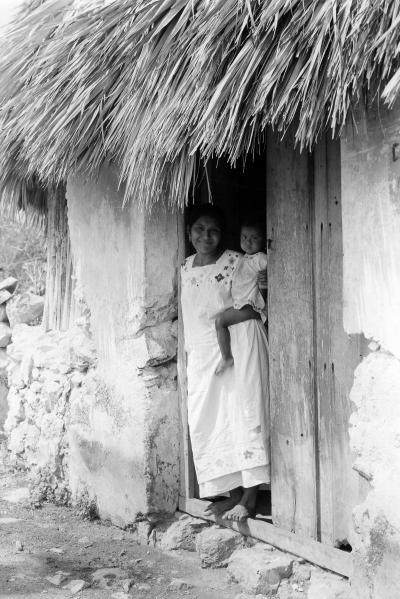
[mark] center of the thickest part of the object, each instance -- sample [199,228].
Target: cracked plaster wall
[371,245]
[124,441]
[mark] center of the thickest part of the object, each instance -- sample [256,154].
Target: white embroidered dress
[228,413]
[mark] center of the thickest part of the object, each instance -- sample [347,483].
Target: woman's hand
[262,279]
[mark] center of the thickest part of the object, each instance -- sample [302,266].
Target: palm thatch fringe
[24,199]
[153,84]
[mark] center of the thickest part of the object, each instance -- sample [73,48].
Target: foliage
[153,85]
[22,255]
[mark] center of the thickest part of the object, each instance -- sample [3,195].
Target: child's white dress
[244,283]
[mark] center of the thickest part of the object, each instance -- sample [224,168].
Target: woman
[227,413]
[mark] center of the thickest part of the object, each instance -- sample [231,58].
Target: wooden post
[338,354]
[187,473]
[59,282]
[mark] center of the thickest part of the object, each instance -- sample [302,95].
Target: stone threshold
[259,569]
[317,553]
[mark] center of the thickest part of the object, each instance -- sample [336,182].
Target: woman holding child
[226,369]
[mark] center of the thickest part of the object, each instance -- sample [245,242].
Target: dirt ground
[36,544]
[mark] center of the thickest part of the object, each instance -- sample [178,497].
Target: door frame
[314,551]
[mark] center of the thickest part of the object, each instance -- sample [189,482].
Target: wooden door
[290,325]
[312,359]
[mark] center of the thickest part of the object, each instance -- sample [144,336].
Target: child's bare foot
[223,365]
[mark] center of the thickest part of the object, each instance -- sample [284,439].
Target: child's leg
[222,322]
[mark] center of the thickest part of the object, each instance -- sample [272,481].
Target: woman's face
[205,235]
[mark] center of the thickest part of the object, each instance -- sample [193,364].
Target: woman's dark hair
[210,210]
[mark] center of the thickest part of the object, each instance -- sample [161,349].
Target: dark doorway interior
[239,191]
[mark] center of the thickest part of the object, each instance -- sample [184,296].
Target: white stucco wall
[124,431]
[371,286]
[371,220]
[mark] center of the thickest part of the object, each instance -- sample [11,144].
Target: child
[248,302]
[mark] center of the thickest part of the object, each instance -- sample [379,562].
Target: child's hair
[255,221]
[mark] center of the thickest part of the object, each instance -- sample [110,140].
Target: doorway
[312,359]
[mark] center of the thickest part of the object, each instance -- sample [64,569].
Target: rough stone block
[24,340]
[104,578]
[290,590]
[52,353]
[77,378]
[177,584]
[25,370]
[3,361]
[58,578]
[76,586]
[10,283]
[35,374]
[5,295]
[259,570]
[126,584]
[182,534]
[3,313]
[160,343]
[24,308]
[51,392]
[215,545]
[16,411]
[328,586]
[5,334]
[301,572]
[36,387]
[82,349]
[143,531]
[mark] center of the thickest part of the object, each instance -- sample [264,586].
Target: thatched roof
[152,84]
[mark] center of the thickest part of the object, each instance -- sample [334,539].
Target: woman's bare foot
[219,507]
[223,365]
[238,513]
[245,508]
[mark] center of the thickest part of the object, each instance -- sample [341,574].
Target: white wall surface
[371,228]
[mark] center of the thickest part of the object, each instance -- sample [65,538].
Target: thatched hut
[290,106]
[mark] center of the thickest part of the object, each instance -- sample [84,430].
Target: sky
[7,8]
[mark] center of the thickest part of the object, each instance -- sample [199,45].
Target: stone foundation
[44,369]
[258,569]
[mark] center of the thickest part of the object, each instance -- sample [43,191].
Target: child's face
[251,240]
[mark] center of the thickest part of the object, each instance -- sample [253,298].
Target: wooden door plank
[313,551]
[290,309]
[187,472]
[341,488]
